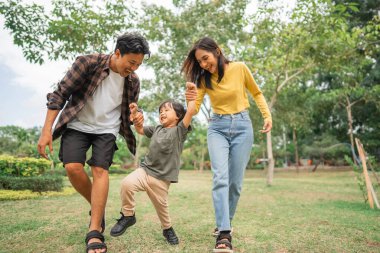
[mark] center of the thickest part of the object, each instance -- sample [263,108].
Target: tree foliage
[69,29]
[311,60]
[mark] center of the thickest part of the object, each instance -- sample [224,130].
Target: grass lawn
[305,212]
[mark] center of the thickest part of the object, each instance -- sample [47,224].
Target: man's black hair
[132,43]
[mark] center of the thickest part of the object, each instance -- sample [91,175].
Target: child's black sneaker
[122,224]
[170,236]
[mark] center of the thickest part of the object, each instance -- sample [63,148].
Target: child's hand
[133,109]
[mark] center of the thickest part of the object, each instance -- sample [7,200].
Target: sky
[23,86]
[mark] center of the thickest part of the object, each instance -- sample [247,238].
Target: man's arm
[46,138]
[70,83]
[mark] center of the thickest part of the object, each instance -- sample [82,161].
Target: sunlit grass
[305,212]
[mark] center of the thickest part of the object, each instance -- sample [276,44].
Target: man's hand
[138,120]
[267,126]
[46,139]
[191,91]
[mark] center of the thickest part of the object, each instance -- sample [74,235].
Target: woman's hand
[267,126]
[191,91]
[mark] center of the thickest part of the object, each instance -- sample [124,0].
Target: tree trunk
[285,152]
[279,87]
[350,128]
[270,159]
[269,146]
[202,162]
[295,149]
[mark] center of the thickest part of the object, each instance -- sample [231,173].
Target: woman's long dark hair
[193,70]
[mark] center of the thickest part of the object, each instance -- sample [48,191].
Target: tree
[175,30]
[294,112]
[69,29]
[352,80]
[17,141]
[285,52]
[308,49]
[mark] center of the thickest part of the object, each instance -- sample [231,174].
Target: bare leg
[82,184]
[99,196]
[79,179]
[98,200]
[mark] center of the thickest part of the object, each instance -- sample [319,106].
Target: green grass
[305,212]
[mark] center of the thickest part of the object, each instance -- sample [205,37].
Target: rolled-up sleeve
[148,131]
[72,81]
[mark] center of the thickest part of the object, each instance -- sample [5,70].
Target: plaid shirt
[80,83]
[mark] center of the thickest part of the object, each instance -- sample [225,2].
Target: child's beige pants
[156,189]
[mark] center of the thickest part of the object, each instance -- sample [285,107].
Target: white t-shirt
[102,112]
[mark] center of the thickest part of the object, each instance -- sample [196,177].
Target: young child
[160,167]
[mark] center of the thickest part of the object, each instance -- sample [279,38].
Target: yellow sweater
[230,95]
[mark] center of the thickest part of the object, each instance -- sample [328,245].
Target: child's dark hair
[177,107]
[132,43]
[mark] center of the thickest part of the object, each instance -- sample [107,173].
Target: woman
[230,133]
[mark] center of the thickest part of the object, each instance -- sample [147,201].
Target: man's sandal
[223,239]
[95,245]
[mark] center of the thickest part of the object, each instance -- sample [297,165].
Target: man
[99,89]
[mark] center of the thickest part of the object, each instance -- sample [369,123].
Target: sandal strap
[94,234]
[222,236]
[224,239]
[224,242]
[96,245]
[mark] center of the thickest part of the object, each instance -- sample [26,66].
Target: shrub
[35,183]
[25,167]
[28,194]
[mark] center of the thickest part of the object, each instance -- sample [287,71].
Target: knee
[219,183]
[126,185]
[235,187]
[98,172]
[73,168]
[220,178]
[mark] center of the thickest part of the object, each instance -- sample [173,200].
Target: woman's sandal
[95,245]
[223,239]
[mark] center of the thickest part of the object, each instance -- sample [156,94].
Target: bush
[28,194]
[35,183]
[25,167]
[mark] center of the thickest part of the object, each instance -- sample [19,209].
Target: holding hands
[136,115]
[191,91]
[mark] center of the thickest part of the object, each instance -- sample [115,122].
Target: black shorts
[74,146]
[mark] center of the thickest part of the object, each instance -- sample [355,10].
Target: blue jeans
[229,139]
